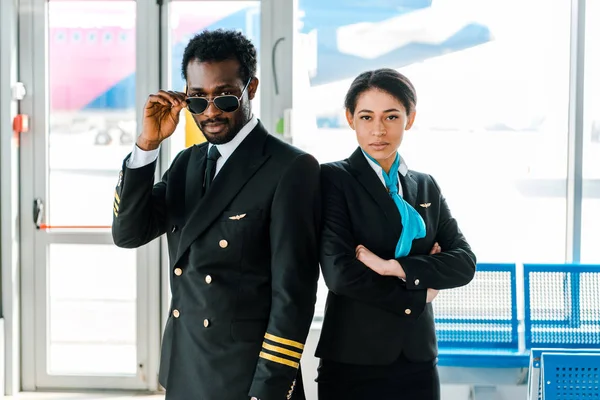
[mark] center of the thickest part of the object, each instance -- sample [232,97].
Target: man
[241,213]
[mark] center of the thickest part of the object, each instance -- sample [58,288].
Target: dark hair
[387,80]
[221,45]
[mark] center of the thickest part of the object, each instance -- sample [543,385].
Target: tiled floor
[84,396]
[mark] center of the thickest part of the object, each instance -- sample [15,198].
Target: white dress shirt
[402,170]
[140,158]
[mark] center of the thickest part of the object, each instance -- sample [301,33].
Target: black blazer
[243,262]
[371,319]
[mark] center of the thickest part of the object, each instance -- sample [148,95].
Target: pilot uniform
[243,250]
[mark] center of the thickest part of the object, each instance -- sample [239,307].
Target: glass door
[92,318]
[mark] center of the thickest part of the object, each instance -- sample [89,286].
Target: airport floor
[84,396]
[449,392]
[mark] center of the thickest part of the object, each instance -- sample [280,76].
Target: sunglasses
[226,103]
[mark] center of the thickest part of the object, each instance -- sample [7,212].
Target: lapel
[409,189]
[239,168]
[368,178]
[193,180]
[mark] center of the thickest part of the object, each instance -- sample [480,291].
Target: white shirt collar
[227,149]
[402,169]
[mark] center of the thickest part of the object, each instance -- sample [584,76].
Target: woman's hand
[386,267]
[378,264]
[435,249]
[391,267]
[431,294]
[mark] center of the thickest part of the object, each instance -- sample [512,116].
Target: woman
[380,255]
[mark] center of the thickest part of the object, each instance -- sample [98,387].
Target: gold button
[176,313]
[417,282]
[178,271]
[206,323]
[223,243]
[407,311]
[208,279]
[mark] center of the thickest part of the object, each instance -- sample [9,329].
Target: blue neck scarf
[413,226]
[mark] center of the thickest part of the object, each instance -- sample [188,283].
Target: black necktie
[211,166]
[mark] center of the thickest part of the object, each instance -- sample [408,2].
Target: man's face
[212,79]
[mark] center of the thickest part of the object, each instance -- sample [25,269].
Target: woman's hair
[387,80]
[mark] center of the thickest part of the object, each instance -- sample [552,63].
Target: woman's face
[380,120]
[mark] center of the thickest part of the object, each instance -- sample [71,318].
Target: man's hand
[161,116]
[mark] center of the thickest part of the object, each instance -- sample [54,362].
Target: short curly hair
[221,45]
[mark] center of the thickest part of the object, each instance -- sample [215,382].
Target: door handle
[38,212]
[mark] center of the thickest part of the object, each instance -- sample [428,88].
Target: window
[92,108]
[492,116]
[591,138]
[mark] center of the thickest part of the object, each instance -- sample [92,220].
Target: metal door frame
[9,192]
